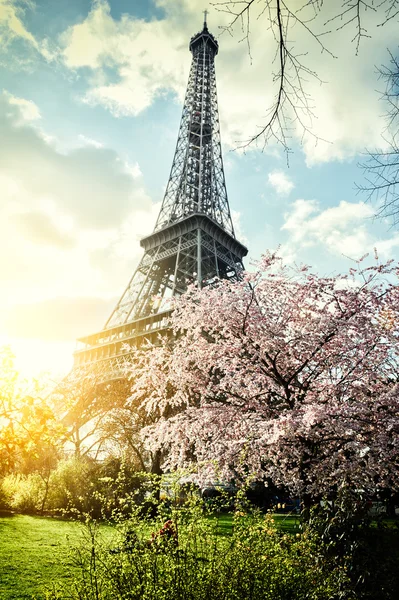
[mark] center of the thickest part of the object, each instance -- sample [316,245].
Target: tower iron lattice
[193,238]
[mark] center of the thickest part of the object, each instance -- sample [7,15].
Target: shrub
[23,493]
[369,548]
[181,555]
[70,484]
[76,485]
[84,486]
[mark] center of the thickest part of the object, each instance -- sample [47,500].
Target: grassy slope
[34,551]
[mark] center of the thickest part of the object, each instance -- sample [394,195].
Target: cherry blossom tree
[284,375]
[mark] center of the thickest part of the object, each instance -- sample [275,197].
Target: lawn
[285,522]
[35,552]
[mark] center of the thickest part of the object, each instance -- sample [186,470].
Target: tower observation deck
[193,238]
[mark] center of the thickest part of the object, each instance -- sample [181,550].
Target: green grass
[287,522]
[35,552]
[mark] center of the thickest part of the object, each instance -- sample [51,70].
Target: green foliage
[76,486]
[229,556]
[70,484]
[180,554]
[369,549]
[30,434]
[22,493]
[82,486]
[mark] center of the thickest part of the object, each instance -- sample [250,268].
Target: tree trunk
[46,490]
[156,463]
[307,501]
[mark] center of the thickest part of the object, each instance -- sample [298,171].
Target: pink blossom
[285,374]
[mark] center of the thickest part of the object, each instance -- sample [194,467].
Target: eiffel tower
[193,238]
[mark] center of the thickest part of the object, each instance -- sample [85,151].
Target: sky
[91,94]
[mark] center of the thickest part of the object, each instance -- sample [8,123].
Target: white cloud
[28,110]
[341,229]
[90,142]
[70,222]
[93,185]
[133,61]
[134,170]
[13,29]
[144,57]
[344,230]
[385,248]
[11,25]
[280,182]
[236,218]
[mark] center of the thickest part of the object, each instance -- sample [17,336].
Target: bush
[370,548]
[181,555]
[4,504]
[70,484]
[76,485]
[84,486]
[23,493]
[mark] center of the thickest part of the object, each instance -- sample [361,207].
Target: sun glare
[34,356]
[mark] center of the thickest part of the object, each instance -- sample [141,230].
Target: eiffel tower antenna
[193,238]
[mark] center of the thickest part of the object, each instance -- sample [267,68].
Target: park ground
[38,553]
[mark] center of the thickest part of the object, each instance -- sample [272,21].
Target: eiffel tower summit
[193,239]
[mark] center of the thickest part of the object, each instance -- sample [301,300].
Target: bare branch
[381,166]
[292,109]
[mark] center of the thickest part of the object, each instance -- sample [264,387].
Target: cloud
[341,229]
[93,185]
[386,248]
[90,142]
[280,182]
[236,218]
[11,25]
[39,228]
[132,62]
[69,222]
[134,170]
[19,46]
[27,110]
